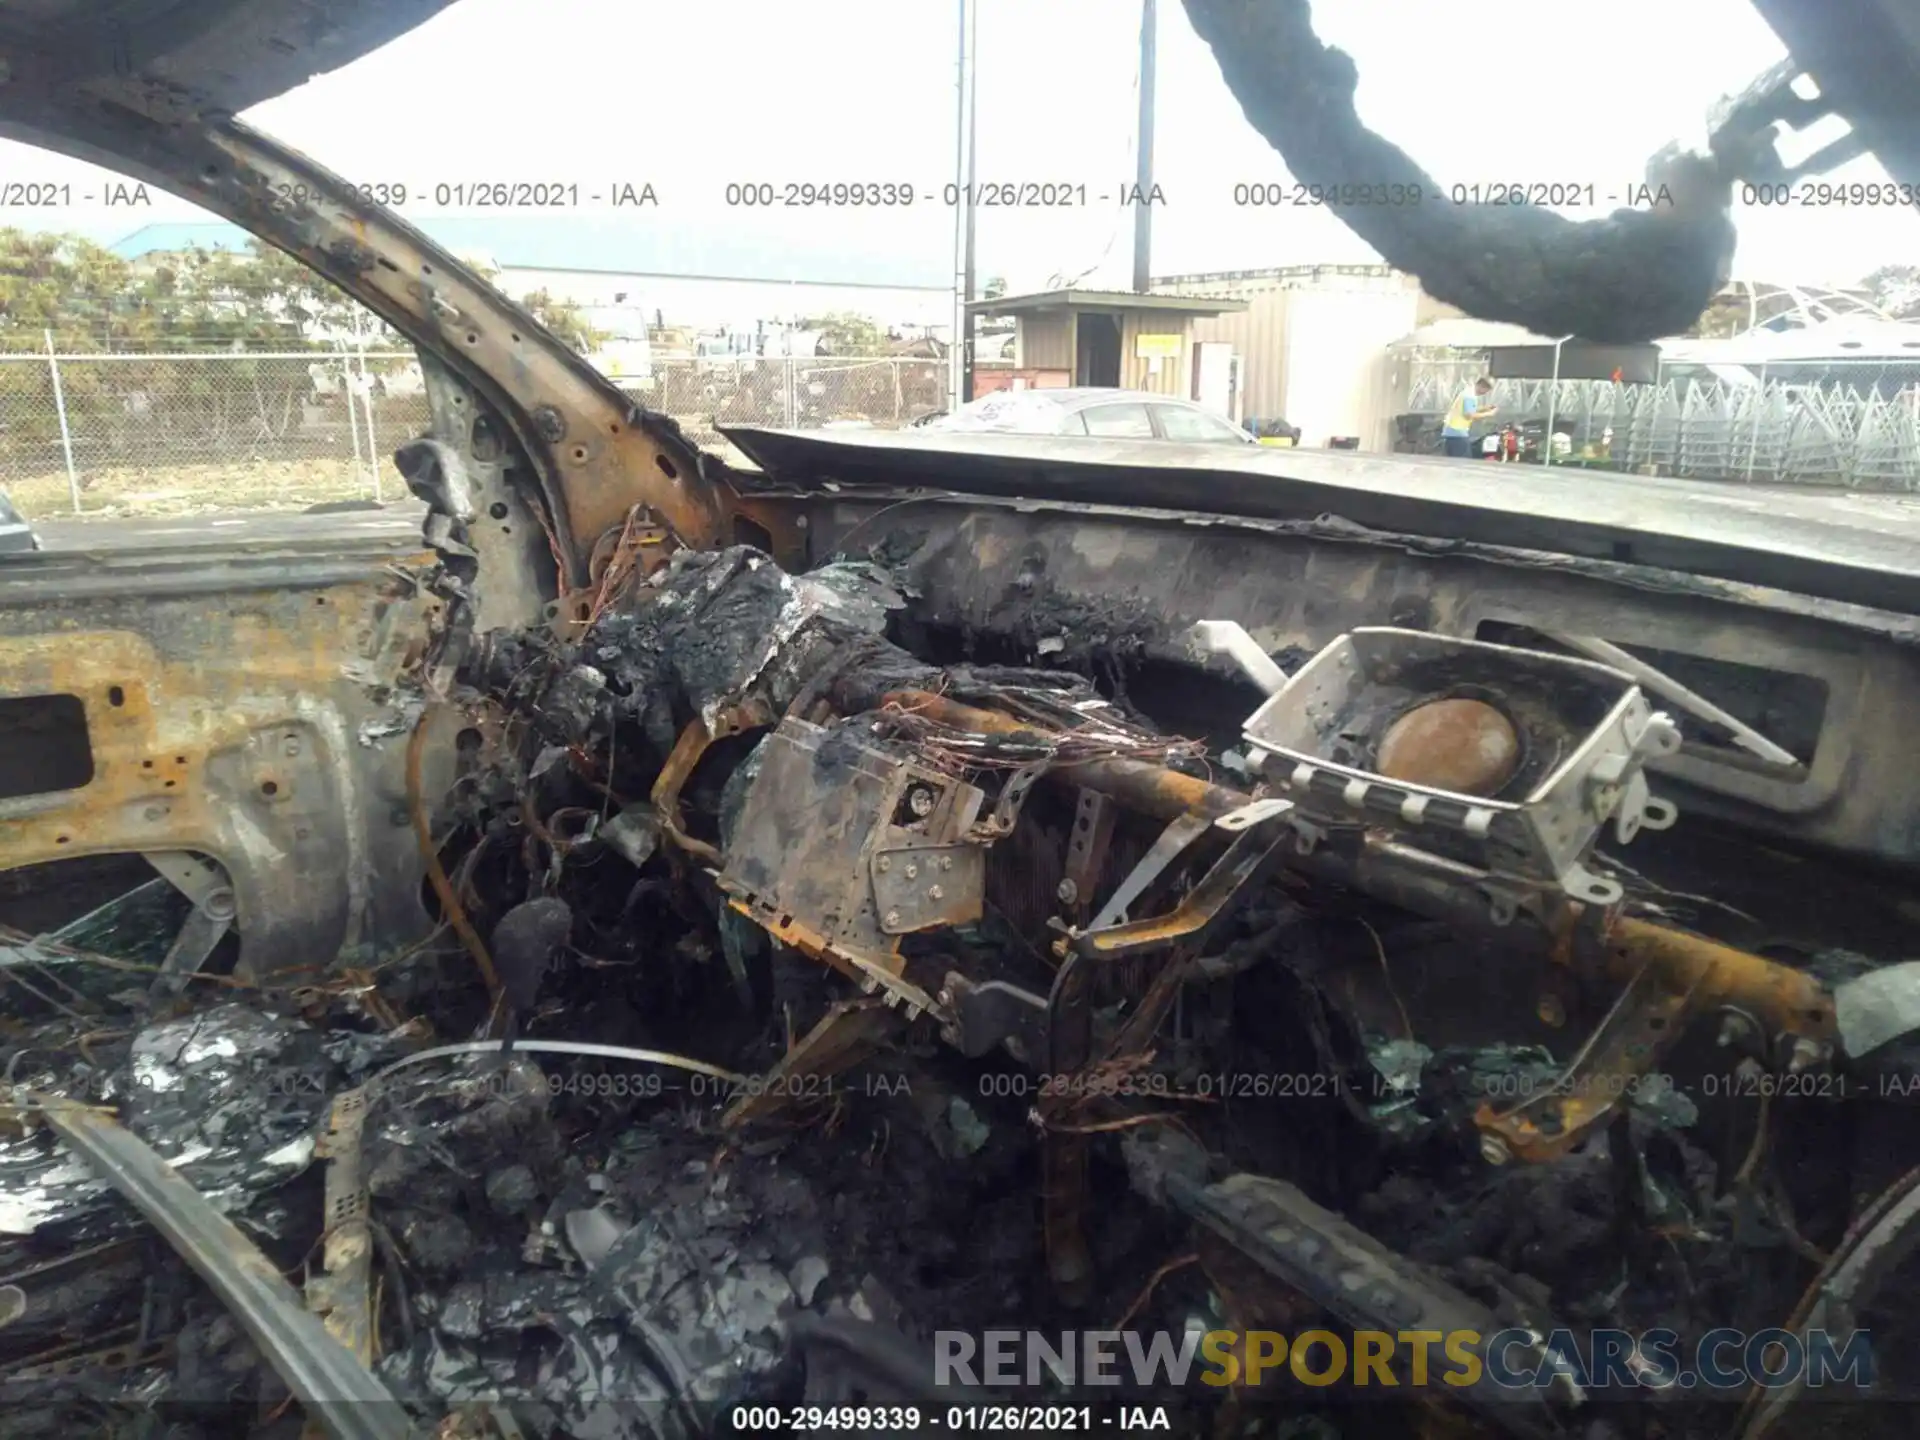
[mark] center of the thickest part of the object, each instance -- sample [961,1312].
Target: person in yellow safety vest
[1472,405]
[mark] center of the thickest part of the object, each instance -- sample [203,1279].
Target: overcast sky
[689,96]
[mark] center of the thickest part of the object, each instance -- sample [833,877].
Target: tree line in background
[143,410]
[246,307]
[93,300]
[260,298]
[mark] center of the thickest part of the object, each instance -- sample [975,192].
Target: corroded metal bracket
[1644,1022]
[342,1294]
[843,847]
[202,882]
[1255,850]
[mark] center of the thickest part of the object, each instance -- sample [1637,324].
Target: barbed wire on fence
[159,432]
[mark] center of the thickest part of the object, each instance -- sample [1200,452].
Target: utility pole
[970,289]
[1143,212]
[963,211]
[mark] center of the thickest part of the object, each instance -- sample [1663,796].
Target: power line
[1057,282]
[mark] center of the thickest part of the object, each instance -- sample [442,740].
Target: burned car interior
[678,935]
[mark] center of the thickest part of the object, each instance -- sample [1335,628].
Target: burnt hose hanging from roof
[1635,276]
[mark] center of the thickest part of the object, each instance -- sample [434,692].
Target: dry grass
[160,490]
[148,491]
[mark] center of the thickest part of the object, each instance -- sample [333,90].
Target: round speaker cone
[1465,746]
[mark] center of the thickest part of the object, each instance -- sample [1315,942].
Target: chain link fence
[156,434]
[796,394]
[112,434]
[1843,423]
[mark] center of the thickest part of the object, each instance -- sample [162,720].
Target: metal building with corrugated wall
[1313,341]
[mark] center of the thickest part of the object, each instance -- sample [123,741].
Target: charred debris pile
[795,997]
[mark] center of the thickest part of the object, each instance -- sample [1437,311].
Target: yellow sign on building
[1156,347]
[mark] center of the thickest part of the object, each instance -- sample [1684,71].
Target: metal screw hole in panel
[498,510]
[269,788]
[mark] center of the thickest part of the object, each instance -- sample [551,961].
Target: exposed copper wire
[615,573]
[539,512]
[1102,1127]
[84,1044]
[1153,1283]
[952,749]
[436,872]
[1386,976]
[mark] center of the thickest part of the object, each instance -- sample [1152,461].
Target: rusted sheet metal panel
[225,703]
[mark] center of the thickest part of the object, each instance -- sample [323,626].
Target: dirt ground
[138,491]
[142,491]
